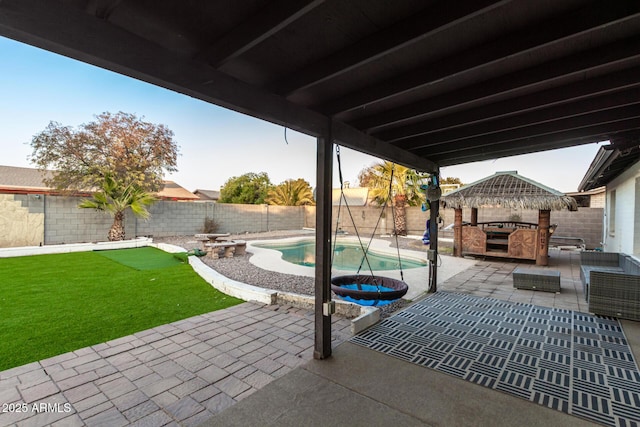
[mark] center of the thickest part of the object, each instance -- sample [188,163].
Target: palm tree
[405,189]
[291,193]
[114,198]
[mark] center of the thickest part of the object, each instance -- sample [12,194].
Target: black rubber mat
[570,361]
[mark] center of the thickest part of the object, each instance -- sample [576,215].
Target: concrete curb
[73,247]
[362,316]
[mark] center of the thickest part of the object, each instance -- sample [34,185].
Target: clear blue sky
[37,87]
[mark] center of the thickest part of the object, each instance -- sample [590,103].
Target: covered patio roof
[418,82]
[421,83]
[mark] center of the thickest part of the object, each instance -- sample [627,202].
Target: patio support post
[544,220]
[457,232]
[433,245]
[474,216]
[324,179]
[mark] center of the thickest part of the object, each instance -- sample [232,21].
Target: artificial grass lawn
[53,304]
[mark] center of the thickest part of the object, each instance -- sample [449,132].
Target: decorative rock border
[362,317]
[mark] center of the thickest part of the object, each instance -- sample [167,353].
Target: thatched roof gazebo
[512,239]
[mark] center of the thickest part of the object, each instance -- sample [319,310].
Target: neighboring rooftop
[174,191]
[591,198]
[207,194]
[15,179]
[609,163]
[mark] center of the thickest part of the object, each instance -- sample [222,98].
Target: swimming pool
[347,256]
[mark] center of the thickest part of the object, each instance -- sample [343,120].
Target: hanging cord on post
[346,204]
[386,201]
[335,236]
[373,234]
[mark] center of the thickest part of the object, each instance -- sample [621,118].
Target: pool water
[345,257]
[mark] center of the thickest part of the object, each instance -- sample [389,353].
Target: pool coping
[416,278]
[271,259]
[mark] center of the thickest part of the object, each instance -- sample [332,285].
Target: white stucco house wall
[618,169]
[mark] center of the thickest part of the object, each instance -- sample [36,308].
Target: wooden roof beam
[583,110]
[252,31]
[385,42]
[582,90]
[569,138]
[609,58]
[102,8]
[528,41]
[532,133]
[353,138]
[465,158]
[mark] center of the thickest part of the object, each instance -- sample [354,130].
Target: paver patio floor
[177,374]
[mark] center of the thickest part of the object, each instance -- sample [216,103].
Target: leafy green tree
[115,198]
[250,188]
[292,192]
[404,189]
[121,145]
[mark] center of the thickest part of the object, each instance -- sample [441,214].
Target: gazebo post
[474,216]
[544,220]
[457,233]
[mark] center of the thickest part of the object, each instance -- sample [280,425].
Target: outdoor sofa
[611,283]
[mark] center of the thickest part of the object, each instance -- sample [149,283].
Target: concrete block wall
[66,223]
[309,217]
[285,217]
[240,218]
[416,220]
[598,200]
[171,219]
[21,220]
[233,218]
[585,223]
[364,218]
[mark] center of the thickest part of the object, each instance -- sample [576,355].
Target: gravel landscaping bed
[239,268]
